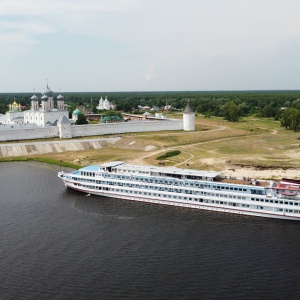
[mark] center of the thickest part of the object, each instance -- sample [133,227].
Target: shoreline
[238,172]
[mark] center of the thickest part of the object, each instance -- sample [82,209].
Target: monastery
[47,119]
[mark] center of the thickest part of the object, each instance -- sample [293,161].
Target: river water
[56,243]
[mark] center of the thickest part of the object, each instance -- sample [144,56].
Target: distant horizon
[158,91]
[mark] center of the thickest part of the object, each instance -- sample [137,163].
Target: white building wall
[21,133]
[123,127]
[189,122]
[51,116]
[40,118]
[8,118]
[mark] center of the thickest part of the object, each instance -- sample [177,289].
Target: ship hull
[186,204]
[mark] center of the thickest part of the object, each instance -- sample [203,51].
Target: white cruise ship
[189,188]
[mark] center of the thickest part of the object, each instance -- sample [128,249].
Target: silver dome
[34,98]
[60,97]
[44,97]
[48,92]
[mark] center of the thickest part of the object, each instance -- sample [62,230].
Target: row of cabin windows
[170,190]
[179,191]
[91,174]
[197,200]
[276,201]
[295,211]
[191,184]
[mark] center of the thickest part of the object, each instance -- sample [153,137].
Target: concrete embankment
[34,148]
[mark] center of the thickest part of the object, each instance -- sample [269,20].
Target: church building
[44,113]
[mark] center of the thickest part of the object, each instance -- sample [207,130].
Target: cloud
[149,72]
[30,27]
[191,42]
[45,7]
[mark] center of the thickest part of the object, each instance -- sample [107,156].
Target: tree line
[232,105]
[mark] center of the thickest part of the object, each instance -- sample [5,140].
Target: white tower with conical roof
[188,118]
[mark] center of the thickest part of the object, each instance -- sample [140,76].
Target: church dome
[34,98]
[60,97]
[44,97]
[77,112]
[48,92]
[15,104]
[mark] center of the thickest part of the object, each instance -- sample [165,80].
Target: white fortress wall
[16,133]
[69,131]
[123,127]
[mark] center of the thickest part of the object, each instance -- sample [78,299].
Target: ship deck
[246,181]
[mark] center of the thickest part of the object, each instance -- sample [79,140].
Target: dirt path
[238,172]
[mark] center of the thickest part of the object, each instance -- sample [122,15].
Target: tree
[268,111]
[126,107]
[2,109]
[81,120]
[231,112]
[290,119]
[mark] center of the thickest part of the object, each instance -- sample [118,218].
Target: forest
[232,105]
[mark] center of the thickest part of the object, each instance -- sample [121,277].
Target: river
[56,243]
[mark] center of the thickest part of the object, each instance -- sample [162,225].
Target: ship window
[286,203]
[280,209]
[221,202]
[296,203]
[290,203]
[267,200]
[281,202]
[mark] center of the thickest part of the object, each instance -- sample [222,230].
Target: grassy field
[216,144]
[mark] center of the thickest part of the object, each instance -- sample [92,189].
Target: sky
[149,45]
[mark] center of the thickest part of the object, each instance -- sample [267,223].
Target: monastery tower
[188,118]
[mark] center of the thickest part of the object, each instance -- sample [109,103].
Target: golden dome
[15,104]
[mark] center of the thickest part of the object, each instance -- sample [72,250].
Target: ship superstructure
[189,188]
